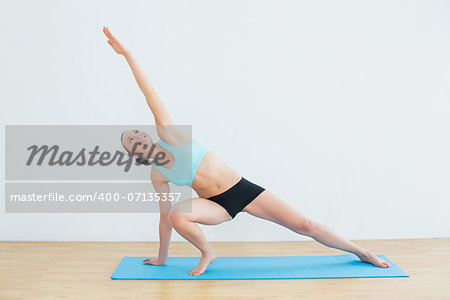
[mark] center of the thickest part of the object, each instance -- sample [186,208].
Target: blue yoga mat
[258,267]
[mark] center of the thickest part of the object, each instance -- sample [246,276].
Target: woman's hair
[140,160]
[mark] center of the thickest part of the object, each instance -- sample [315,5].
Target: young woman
[222,191]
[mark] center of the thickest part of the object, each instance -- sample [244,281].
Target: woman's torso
[210,176]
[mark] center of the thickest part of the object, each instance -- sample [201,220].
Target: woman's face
[132,136]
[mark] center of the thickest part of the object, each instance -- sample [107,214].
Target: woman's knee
[176,217]
[305,226]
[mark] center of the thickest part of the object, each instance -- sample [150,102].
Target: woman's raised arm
[160,113]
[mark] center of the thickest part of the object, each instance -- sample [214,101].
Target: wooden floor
[82,270]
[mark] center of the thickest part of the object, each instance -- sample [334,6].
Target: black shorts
[236,198]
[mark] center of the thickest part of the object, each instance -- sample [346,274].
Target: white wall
[353,96]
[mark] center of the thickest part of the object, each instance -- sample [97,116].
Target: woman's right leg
[184,217]
[270,207]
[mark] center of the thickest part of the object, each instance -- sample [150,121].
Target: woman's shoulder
[156,176]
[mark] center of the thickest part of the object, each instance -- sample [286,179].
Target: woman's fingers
[105,31]
[147,261]
[151,261]
[109,34]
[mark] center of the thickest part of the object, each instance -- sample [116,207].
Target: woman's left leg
[185,217]
[270,207]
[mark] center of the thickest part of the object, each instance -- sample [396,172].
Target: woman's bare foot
[205,260]
[371,258]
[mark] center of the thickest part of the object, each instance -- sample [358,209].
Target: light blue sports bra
[187,160]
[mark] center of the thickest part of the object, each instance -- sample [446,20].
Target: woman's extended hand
[153,261]
[115,44]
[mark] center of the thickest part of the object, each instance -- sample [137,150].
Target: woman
[222,191]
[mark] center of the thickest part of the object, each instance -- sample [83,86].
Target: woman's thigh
[201,211]
[269,207]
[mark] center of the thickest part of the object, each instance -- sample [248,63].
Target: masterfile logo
[82,168]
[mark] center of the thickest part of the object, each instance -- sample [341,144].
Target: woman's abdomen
[213,176]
